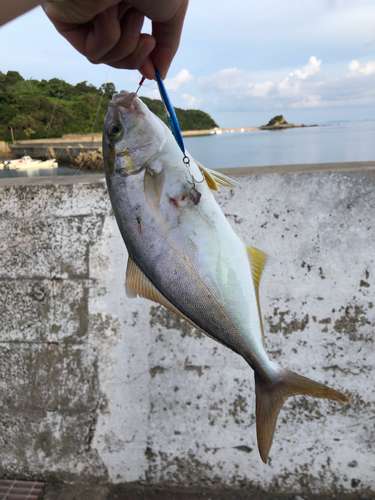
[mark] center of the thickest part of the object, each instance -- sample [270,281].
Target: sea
[330,143]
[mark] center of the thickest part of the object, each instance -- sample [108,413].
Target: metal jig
[174,126]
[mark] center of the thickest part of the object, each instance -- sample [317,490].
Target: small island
[279,123]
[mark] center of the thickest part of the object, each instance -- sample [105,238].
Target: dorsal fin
[257,260]
[215,179]
[137,283]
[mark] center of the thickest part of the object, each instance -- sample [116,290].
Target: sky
[242,62]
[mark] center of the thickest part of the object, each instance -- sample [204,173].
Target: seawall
[99,389]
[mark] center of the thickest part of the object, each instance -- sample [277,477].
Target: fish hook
[140,85]
[186,161]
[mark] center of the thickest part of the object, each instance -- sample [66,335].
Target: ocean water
[338,142]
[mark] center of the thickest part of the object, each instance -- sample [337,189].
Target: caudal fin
[270,398]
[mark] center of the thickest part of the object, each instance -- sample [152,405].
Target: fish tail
[271,397]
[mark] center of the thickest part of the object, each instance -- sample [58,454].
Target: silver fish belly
[184,254]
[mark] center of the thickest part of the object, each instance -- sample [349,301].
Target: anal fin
[257,260]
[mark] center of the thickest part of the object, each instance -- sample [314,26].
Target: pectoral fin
[153,187]
[215,179]
[257,260]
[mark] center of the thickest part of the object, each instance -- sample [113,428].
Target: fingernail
[137,23]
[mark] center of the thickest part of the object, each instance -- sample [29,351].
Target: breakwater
[100,389]
[85,151]
[65,150]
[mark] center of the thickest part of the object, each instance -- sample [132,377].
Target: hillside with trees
[277,120]
[27,107]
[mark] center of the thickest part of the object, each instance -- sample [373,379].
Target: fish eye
[115,130]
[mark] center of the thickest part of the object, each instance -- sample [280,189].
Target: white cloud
[291,85]
[191,101]
[178,81]
[261,89]
[307,87]
[236,82]
[153,94]
[357,69]
[311,101]
[243,84]
[229,80]
[313,66]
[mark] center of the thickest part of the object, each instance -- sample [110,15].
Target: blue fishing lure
[170,113]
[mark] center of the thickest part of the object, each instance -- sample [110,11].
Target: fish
[184,254]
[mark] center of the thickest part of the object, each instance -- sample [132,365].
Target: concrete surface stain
[156,370]
[284,326]
[160,316]
[353,318]
[237,407]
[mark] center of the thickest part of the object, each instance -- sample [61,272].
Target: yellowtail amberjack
[184,254]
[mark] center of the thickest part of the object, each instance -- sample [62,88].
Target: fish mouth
[126,103]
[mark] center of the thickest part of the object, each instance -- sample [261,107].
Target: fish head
[132,135]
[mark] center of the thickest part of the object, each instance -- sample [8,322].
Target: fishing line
[58,96]
[54,109]
[96,117]
[100,103]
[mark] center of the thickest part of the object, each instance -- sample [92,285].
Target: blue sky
[241,62]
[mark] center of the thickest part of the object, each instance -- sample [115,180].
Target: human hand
[109,31]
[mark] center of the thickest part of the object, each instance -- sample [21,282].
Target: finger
[138,57]
[73,12]
[104,34]
[167,36]
[123,6]
[148,69]
[166,48]
[131,25]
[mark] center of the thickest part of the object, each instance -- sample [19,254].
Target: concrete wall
[99,388]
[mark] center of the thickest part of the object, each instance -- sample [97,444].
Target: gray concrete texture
[101,389]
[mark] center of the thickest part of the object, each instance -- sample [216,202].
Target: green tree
[277,120]
[12,77]
[108,89]
[36,109]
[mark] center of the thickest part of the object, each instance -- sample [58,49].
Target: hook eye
[186,160]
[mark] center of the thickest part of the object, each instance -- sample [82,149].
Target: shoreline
[304,168]
[97,137]
[85,150]
[217,131]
